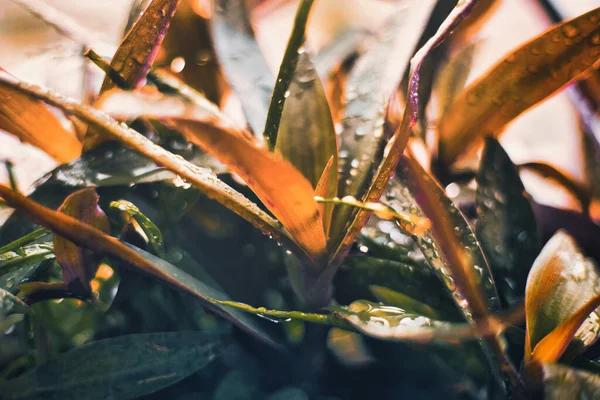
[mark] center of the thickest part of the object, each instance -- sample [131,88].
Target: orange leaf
[523,78]
[327,188]
[280,186]
[32,122]
[79,265]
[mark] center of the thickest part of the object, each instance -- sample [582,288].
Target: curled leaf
[523,78]
[150,230]
[560,283]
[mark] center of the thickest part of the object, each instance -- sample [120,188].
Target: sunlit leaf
[286,73]
[506,225]
[562,382]
[93,239]
[79,265]
[200,178]
[327,188]
[525,77]
[137,52]
[401,131]
[306,135]
[369,88]
[560,282]
[32,122]
[281,187]
[124,367]
[151,231]
[242,61]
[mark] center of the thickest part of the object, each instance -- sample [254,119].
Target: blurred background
[32,50]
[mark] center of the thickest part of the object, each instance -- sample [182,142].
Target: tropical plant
[306,249]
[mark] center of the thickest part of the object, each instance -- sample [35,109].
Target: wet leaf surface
[25,265]
[560,282]
[243,63]
[562,382]
[506,225]
[523,78]
[306,135]
[125,367]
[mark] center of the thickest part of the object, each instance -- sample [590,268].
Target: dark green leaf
[286,72]
[20,266]
[506,226]
[124,367]
[242,61]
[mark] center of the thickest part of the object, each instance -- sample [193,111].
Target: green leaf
[369,89]
[124,367]
[526,76]
[562,382]
[560,282]
[286,72]
[400,300]
[10,304]
[24,264]
[153,234]
[506,226]
[242,61]
[306,135]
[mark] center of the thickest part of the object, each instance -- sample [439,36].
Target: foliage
[308,251]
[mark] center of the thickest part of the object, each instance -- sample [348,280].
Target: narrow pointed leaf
[242,61]
[401,131]
[93,239]
[370,86]
[306,135]
[23,265]
[286,72]
[124,367]
[281,187]
[137,52]
[200,178]
[32,122]
[560,282]
[506,225]
[327,188]
[400,300]
[79,265]
[523,78]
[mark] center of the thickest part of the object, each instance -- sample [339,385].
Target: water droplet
[287,94]
[177,65]
[570,31]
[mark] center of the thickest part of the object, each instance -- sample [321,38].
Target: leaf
[79,265]
[93,239]
[24,264]
[392,323]
[32,122]
[286,72]
[506,225]
[281,187]
[200,178]
[522,79]
[397,143]
[327,188]
[306,136]
[449,246]
[242,61]
[137,52]
[561,382]
[124,367]
[153,234]
[369,88]
[560,282]
[452,77]
[400,300]
[10,304]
